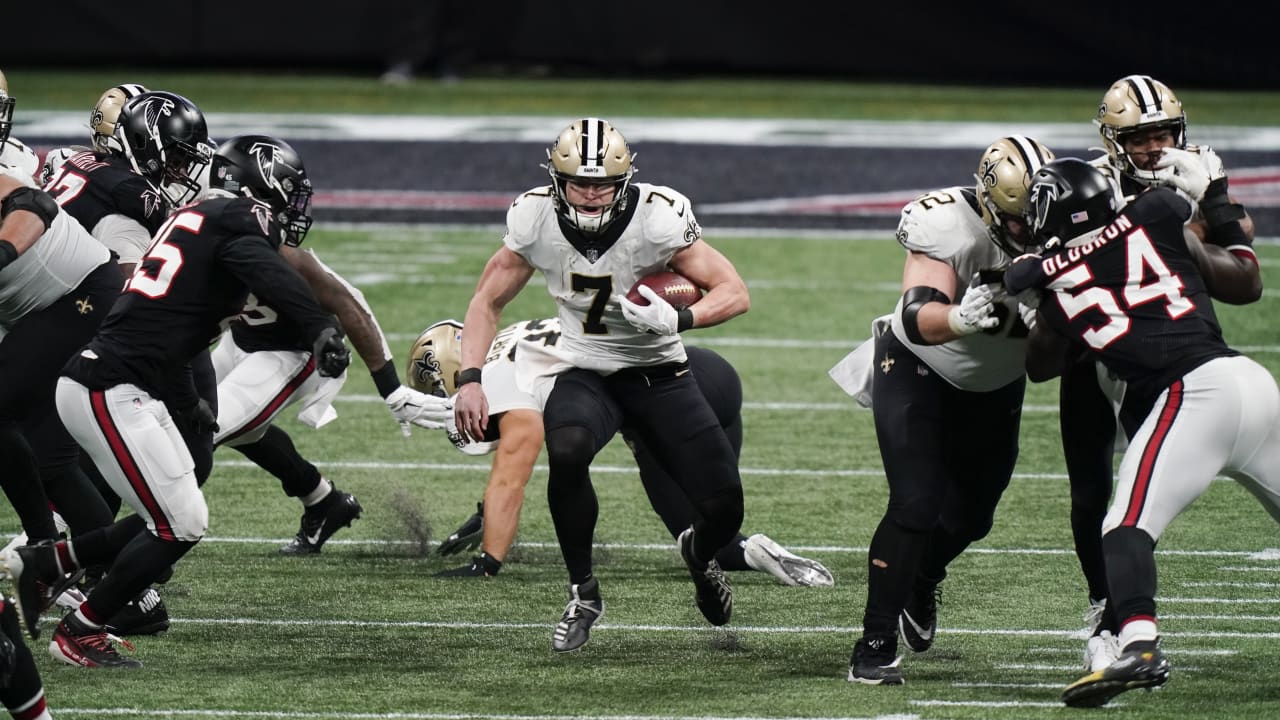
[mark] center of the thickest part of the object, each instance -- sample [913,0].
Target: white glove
[976,311]
[1189,173]
[411,407]
[658,317]
[1212,163]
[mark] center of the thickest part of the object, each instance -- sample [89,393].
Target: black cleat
[1140,665]
[875,662]
[10,639]
[321,521]
[713,591]
[143,615]
[584,609]
[35,573]
[918,621]
[467,536]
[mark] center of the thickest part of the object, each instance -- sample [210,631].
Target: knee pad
[570,447]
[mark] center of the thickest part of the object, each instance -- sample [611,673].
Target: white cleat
[1100,651]
[765,555]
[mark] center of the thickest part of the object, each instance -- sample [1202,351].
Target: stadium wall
[1083,43]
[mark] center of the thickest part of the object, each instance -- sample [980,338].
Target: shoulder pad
[937,230]
[525,214]
[19,161]
[666,212]
[242,216]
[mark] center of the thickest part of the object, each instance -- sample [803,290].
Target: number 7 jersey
[586,275]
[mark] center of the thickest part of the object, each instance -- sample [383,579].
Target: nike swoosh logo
[313,539]
[924,633]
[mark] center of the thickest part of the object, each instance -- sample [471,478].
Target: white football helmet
[590,152]
[6,110]
[105,114]
[1133,103]
[1004,174]
[435,359]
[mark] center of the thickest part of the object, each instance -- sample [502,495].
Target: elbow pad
[914,299]
[32,200]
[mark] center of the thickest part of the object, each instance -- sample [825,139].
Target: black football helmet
[1069,198]
[165,139]
[6,110]
[269,169]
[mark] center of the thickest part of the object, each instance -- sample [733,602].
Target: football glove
[976,311]
[1189,173]
[1024,278]
[1028,314]
[200,418]
[332,355]
[410,407]
[658,317]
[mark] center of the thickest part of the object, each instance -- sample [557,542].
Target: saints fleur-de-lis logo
[84,306]
[886,364]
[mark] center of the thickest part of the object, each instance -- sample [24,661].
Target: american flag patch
[1079,217]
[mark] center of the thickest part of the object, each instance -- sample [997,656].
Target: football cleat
[875,662]
[574,628]
[1141,665]
[143,615]
[75,643]
[10,639]
[1093,615]
[35,573]
[713,592]
[1100,651]
[764,554]
[918,621]
[321,521]
[472,569]
[467,536]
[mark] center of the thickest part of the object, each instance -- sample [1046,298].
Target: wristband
[385,379]
[684,319]
[469,375]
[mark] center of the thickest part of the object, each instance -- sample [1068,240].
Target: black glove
[199,418]
[332,355]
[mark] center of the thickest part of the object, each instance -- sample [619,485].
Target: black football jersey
[260,328]
[204,262]
[92,185]
[1134,295]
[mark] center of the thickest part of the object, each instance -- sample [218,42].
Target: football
[673,287]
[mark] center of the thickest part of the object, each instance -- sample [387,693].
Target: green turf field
[364,631]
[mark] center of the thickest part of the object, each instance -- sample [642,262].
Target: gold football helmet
[436,359]
[1004,174]
[590,152]
[1133,103]
[6,110]
[105,114]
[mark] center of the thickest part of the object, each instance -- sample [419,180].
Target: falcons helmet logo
[265,155]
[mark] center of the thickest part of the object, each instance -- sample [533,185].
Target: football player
[1125,284]
[950,368]
[149,151]
[262,368]
[117,394]
[592,233]
[436,359]
[1144,132]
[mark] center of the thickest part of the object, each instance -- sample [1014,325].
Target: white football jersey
[944,226]
[596,336]
[63,256]
[19,161]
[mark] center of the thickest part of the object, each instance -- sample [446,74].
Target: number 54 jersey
[586,275]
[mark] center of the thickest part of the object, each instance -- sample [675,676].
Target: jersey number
[1141,261]
[166,260]
[66,187]
[603,287]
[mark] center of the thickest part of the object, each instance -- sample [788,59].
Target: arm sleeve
[258,265]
